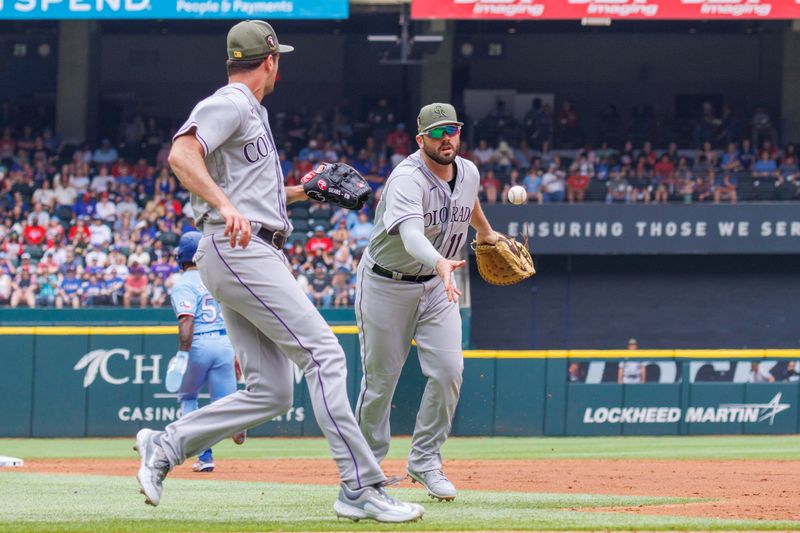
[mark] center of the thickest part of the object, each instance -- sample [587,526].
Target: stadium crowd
[92,226]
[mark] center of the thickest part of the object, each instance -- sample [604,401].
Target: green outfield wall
[73,381]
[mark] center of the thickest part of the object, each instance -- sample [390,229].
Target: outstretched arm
[420,248]
[295,193]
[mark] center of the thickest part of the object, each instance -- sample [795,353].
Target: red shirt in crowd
[74,230]
[398,141]
[34,234]
[136,283]
[578,182]
[664,169]
[490,183]
[324,243]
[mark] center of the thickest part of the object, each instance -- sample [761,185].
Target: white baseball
[517,194]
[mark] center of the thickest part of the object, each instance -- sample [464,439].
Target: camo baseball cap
[254,39]
[436,114]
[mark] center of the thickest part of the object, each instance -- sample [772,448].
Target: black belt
[275,238]
[379,270]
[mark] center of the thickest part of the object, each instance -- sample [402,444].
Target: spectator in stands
[576,372]
[105,209]
[398,141]
[746,155]
[139,257]
[319,241]
[45,196]
[23,288]
[158,291]
[538,122]
[762,126]
[115,284]
[99,233]
[361,231]
[343,258]
[136,287]
[790,373]
[730,160]
[632,372]
[553,184]
[93,290]
[105,154]
[577,184]
[702,189]
[65,193]
[533,186]
[489,187]
[759,375]
[618,189]
[765,174]
[341,288]
[102,182]
[69,290]
[79,177]
[38,216]
[34,234]
[483,156]
[47,285]
[6,280]
[84,206]
[503,158]
[320,291]
[725,187]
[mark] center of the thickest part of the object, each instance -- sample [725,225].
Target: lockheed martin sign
[761,228]
[722,414]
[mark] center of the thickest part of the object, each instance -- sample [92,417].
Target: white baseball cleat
[373,503]
[153,466]
[439,487]
[203,466]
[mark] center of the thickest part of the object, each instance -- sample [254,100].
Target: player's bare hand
[236,226]
[445,269]
[489,237]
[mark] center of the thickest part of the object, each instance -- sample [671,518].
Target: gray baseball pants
[271,323]
[390,314]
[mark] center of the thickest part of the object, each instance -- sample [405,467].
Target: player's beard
[435,152]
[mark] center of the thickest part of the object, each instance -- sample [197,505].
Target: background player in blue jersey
[206,353]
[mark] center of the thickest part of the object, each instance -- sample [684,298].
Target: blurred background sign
[173,9]
[606,9]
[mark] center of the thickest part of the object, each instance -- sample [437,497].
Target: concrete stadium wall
[74,381]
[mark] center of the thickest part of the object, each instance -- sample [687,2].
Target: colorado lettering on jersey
[443,214]
[255,150]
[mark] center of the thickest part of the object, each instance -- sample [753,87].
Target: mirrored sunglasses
[438,133]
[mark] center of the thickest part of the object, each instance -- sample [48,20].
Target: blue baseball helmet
[187,246]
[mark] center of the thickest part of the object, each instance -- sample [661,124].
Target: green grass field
[39,502]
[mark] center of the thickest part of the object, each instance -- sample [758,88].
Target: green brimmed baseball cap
[254,39]
[433,115]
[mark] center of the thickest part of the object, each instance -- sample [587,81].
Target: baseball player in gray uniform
[226,157]
[405,290]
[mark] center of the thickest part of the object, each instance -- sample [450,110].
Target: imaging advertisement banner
[173,9]
[652,229]
[614,9]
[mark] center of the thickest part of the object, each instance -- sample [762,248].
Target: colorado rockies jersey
[190,297]
[240,156]
[412,190]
